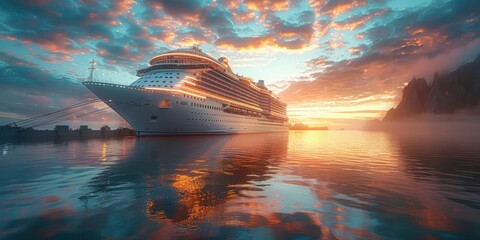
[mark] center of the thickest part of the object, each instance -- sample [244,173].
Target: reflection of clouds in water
[328,184]
[302,184]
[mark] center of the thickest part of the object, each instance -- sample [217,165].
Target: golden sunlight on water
[301,184]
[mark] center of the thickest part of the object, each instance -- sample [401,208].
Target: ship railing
[140,72]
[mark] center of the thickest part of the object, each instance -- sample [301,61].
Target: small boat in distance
[186,91]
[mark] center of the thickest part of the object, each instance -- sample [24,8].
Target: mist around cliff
[450,103]
[466,121]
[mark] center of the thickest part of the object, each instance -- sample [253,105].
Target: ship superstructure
[186,91]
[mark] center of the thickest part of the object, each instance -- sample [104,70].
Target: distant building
[84,127]
[61,128]
[105,128]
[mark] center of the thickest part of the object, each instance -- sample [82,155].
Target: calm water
[302,184]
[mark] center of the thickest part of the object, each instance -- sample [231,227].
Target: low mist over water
[301,184]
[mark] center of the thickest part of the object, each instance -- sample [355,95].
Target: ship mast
[91,68]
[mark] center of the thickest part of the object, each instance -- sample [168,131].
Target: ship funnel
[261,83]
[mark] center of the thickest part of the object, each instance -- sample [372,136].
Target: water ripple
[306,185]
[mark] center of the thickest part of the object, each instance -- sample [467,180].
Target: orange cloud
[231,5]
[243,17]
[59,42]
[190,39]
[355,50]
[10,38]
[417,31]
[341,8]
[421,42]
[355,22]
[272,5]
[247,43]
[336,42]
[121,7]
[334,8]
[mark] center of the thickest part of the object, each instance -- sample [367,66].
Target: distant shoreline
[309,128]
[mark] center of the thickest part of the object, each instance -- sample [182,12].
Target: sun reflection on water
[302,184]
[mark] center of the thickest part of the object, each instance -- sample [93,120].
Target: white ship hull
[146,112]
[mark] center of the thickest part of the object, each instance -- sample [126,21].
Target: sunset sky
[336,63]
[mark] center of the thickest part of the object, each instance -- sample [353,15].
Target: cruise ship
[186,91]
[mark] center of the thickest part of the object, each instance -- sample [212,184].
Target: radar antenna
[196,47]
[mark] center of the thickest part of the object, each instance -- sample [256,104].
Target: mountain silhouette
[459,89]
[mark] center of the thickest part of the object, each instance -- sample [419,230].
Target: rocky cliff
[447,93]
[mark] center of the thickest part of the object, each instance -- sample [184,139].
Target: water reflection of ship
[187,178]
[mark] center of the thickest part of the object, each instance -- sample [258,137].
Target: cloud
[270,5]
[242,17]
[22,75]
[192,37]
[438,37]
[25,85]
[282,34]
[65,29]
[244,42]
[356,51]
[306,17]
[290,35]
[185,22]
[355,22]
[56,26]
[388,62]
[336,7]
[221,22]
[177,7]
